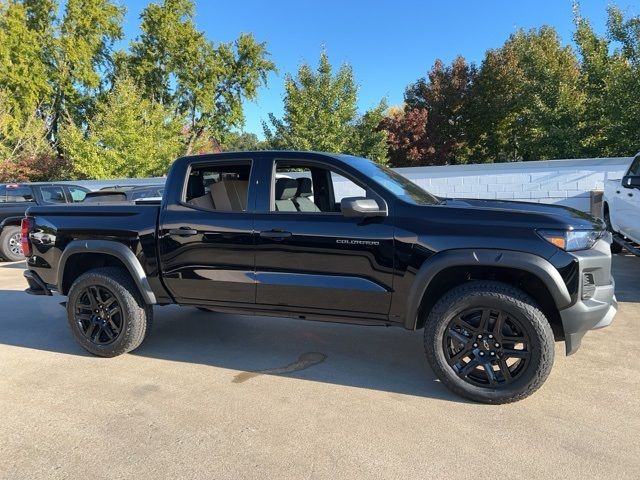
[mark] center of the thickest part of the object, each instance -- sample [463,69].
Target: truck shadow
[386,359]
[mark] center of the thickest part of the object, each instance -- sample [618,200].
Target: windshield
[400,186]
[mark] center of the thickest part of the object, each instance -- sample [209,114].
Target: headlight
[571,240]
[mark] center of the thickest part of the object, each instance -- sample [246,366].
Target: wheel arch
[11,222]
[445,270]
[81,256]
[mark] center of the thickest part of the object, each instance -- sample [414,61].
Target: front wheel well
[80,263]
[451,277]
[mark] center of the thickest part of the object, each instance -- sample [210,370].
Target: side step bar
[627,244]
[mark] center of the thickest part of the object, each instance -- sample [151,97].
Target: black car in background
[15,198]
[126,193]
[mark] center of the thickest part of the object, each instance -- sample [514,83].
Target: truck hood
[569,216]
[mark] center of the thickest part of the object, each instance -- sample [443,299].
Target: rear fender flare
[527,262]
[115,249]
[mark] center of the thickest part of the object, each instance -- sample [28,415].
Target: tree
[526,101]
[25,152]
[176,65]
[129,136]
[439,100]
[320,113]
[368,139]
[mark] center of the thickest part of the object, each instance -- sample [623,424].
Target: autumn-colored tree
[439,100]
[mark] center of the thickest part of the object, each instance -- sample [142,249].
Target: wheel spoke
[484,320]
[468,368]
[96,336]
[113,327]
[510,353]
[108,332]
[90,329]
[462,323]
[504,369]
[110,301]
[491,375]
[458,356]
[458,336]
[499,324]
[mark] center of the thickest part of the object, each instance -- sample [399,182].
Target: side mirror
[631,181]
[361,207]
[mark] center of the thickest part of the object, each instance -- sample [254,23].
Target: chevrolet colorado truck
[333,238]
[621,209]
[15,198]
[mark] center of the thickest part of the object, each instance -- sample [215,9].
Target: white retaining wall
[566,182]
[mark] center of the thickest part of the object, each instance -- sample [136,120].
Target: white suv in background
[621,209]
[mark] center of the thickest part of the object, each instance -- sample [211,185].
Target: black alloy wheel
[98,315]
[487,347]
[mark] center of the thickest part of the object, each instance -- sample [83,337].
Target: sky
[389,44]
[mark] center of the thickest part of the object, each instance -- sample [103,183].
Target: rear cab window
[219,186]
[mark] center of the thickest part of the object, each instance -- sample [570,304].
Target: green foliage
[129,136]
[526,102]
[175,64]
[320,113]
[244,141]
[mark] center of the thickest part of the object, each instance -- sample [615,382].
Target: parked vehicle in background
[334,238]
[15,198]
[621,209]
[125,193]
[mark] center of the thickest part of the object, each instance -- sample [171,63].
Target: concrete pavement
[222,396]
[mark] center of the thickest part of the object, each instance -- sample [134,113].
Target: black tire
[10,248]
[130,323]
[451,325]
[615,247]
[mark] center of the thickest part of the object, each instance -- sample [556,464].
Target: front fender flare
[115,249]
[527,262]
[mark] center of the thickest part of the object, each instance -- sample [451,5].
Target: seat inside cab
[222,188]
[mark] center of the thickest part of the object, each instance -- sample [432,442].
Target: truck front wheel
[489,342]
[106,312]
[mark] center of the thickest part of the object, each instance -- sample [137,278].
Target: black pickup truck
[15,198]
[335,238]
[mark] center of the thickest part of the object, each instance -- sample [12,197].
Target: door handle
[183,232]
[275,234]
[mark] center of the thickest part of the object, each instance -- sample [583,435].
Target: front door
[309,257]
[206,240]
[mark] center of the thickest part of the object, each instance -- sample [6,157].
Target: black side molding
[115,249]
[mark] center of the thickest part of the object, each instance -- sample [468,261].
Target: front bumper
[598,310]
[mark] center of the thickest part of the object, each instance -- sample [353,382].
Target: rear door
[206,239]
[311,258]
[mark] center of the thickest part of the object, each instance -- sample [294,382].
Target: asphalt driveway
[222,396]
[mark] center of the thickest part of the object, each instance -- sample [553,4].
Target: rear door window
[53,194]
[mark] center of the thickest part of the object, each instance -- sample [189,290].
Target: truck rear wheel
[10,247]
[106,312]
[489,342]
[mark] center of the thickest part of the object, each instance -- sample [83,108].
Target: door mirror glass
[361,207]
[631,181]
